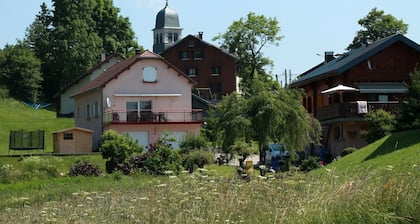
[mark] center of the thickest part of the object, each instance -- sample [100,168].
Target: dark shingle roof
[350,59]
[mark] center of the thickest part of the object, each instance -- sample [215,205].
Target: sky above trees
[309,27]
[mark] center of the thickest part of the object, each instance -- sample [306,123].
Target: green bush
[381,123]
[191,142]
[4,92]
[6,171]
[197,158]
[310,164]
[347,151]
[37,167]
[118,149]
[162,158]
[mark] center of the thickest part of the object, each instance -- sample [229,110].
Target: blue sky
[309,27]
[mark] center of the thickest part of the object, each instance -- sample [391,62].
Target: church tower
[167,30]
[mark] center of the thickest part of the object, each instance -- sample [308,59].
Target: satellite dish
[108,102]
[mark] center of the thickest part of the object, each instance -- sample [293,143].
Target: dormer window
[149,74]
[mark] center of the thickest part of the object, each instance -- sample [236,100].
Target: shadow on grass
[395,142]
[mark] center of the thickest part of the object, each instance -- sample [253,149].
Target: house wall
[157,130]
[212,56]
[66,99]
[88,116]
[343,135]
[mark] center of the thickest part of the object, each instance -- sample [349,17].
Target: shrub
[6,173]
[347,151]
[117,148]
[37,167]
[381,123]
[310,164]
[162,157]
[191,142]
[197,158]
[4,92]
[84,169]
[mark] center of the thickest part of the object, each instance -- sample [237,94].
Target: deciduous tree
[377,25]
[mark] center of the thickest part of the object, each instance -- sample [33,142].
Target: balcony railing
[351,110]
[121,117]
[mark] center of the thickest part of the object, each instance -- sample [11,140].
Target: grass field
[377,184]
[15,116]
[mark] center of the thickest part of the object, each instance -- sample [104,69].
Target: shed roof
[73,129]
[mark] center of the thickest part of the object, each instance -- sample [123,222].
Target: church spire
[166,3]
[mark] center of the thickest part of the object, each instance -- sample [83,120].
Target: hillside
[15,115]
[399,152]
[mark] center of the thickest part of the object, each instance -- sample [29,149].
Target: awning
[382,87]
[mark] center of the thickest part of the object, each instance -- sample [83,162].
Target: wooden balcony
[351,110]
[152,117]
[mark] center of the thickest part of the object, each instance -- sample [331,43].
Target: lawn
[376,184]
[15,116]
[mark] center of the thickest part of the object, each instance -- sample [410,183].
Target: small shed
[72,141]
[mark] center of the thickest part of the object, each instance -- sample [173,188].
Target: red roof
[120,67]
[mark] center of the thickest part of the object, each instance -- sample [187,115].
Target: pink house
[144,96]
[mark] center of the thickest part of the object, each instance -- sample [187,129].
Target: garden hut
[72,141]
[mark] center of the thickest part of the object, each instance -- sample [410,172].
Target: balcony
[350,109]
[152,117]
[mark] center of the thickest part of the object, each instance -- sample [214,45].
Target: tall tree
[20,72]
[377,25]
[409,111]
[71,37]
[246,38]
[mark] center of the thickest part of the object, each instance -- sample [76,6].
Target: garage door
[178,135]
[141,136]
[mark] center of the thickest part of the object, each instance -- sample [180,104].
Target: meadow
[377,184]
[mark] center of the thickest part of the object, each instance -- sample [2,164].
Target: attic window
[149,74]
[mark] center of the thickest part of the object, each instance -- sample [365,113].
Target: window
[215,70]
[192,71]
[191,44]
[175,37]
[184,55]
[198,55]
[149,74]
[139,110]
[68,135]
[216,89]
[383,98]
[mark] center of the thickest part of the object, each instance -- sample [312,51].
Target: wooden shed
[72,141]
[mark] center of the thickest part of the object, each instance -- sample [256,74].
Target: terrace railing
[351,110]
[130,117]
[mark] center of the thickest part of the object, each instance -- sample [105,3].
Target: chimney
[200,35]
[329,56]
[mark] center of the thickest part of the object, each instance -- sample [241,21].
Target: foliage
[4,92]
[243,150]
[36,167]
[20,72]
[350,190]
[209,128]
[408,116]
[377,25]
[310,163]
[162,158]
[246,38]
[192,142]
[347,151]
[84,168]
[197,158]
[381,123]
[117,148]
[71,37]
